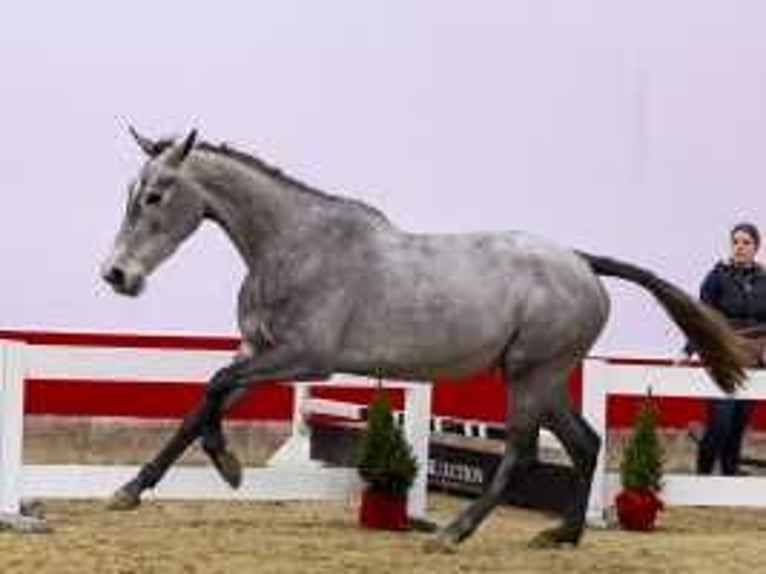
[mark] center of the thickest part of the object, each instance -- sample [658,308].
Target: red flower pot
[637,509]
[383,511]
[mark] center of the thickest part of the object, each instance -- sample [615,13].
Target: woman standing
[737,289]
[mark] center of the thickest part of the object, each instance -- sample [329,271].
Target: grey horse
[333,286]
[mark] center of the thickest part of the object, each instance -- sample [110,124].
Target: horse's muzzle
[123,282]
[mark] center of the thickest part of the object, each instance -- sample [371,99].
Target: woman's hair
[750,229]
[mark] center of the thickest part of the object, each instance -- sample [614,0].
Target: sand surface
[236,537]
[174,537]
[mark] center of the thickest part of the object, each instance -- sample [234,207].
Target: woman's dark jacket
[739,293]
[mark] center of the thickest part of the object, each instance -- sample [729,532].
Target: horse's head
[165,205]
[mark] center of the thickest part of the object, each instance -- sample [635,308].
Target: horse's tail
[720,348]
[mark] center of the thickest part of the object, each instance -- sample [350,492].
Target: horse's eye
[153,198]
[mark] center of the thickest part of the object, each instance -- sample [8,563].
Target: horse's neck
[252,207]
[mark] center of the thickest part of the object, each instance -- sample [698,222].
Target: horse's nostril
[115,276]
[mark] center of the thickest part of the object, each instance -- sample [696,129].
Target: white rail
[291,475]
[11,425]
[602,379]
[286,478]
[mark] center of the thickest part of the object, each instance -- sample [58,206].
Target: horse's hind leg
[522,422]
[582,445]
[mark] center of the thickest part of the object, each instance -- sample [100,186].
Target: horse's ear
[149,147]
[179,152]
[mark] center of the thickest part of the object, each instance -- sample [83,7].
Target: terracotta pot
[637,509]
[383,511]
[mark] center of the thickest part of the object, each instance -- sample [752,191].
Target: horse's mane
[256,163]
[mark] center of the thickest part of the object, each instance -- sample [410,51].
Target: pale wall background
[630,128]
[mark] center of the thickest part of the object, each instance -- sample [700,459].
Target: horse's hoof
[557,537]
[32,509]
[442,543]
[229,468]
[423,525]
[24,524]
[124,499]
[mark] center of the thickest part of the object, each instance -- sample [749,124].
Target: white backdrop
[629,128]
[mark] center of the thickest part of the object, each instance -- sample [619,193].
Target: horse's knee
[218,389]
[214,406]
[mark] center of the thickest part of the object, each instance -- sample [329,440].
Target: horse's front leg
[232,383]
[128,496]
[226,385]
[214,442]
[213,439]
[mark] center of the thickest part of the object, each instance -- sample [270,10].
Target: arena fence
[603,379]
[290,475]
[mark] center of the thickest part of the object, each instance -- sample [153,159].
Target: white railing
[291,475]
[11,425]
[602,379]
[285,478]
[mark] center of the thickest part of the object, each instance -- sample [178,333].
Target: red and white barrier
[603,379]
[286,478]
[92,361]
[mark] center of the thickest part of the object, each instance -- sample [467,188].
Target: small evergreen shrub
[642,461]
[386,462]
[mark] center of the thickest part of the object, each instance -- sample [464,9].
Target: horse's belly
[419,370]
[406,351]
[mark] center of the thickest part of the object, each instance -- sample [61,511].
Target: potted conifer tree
[387,467]
[641,473]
